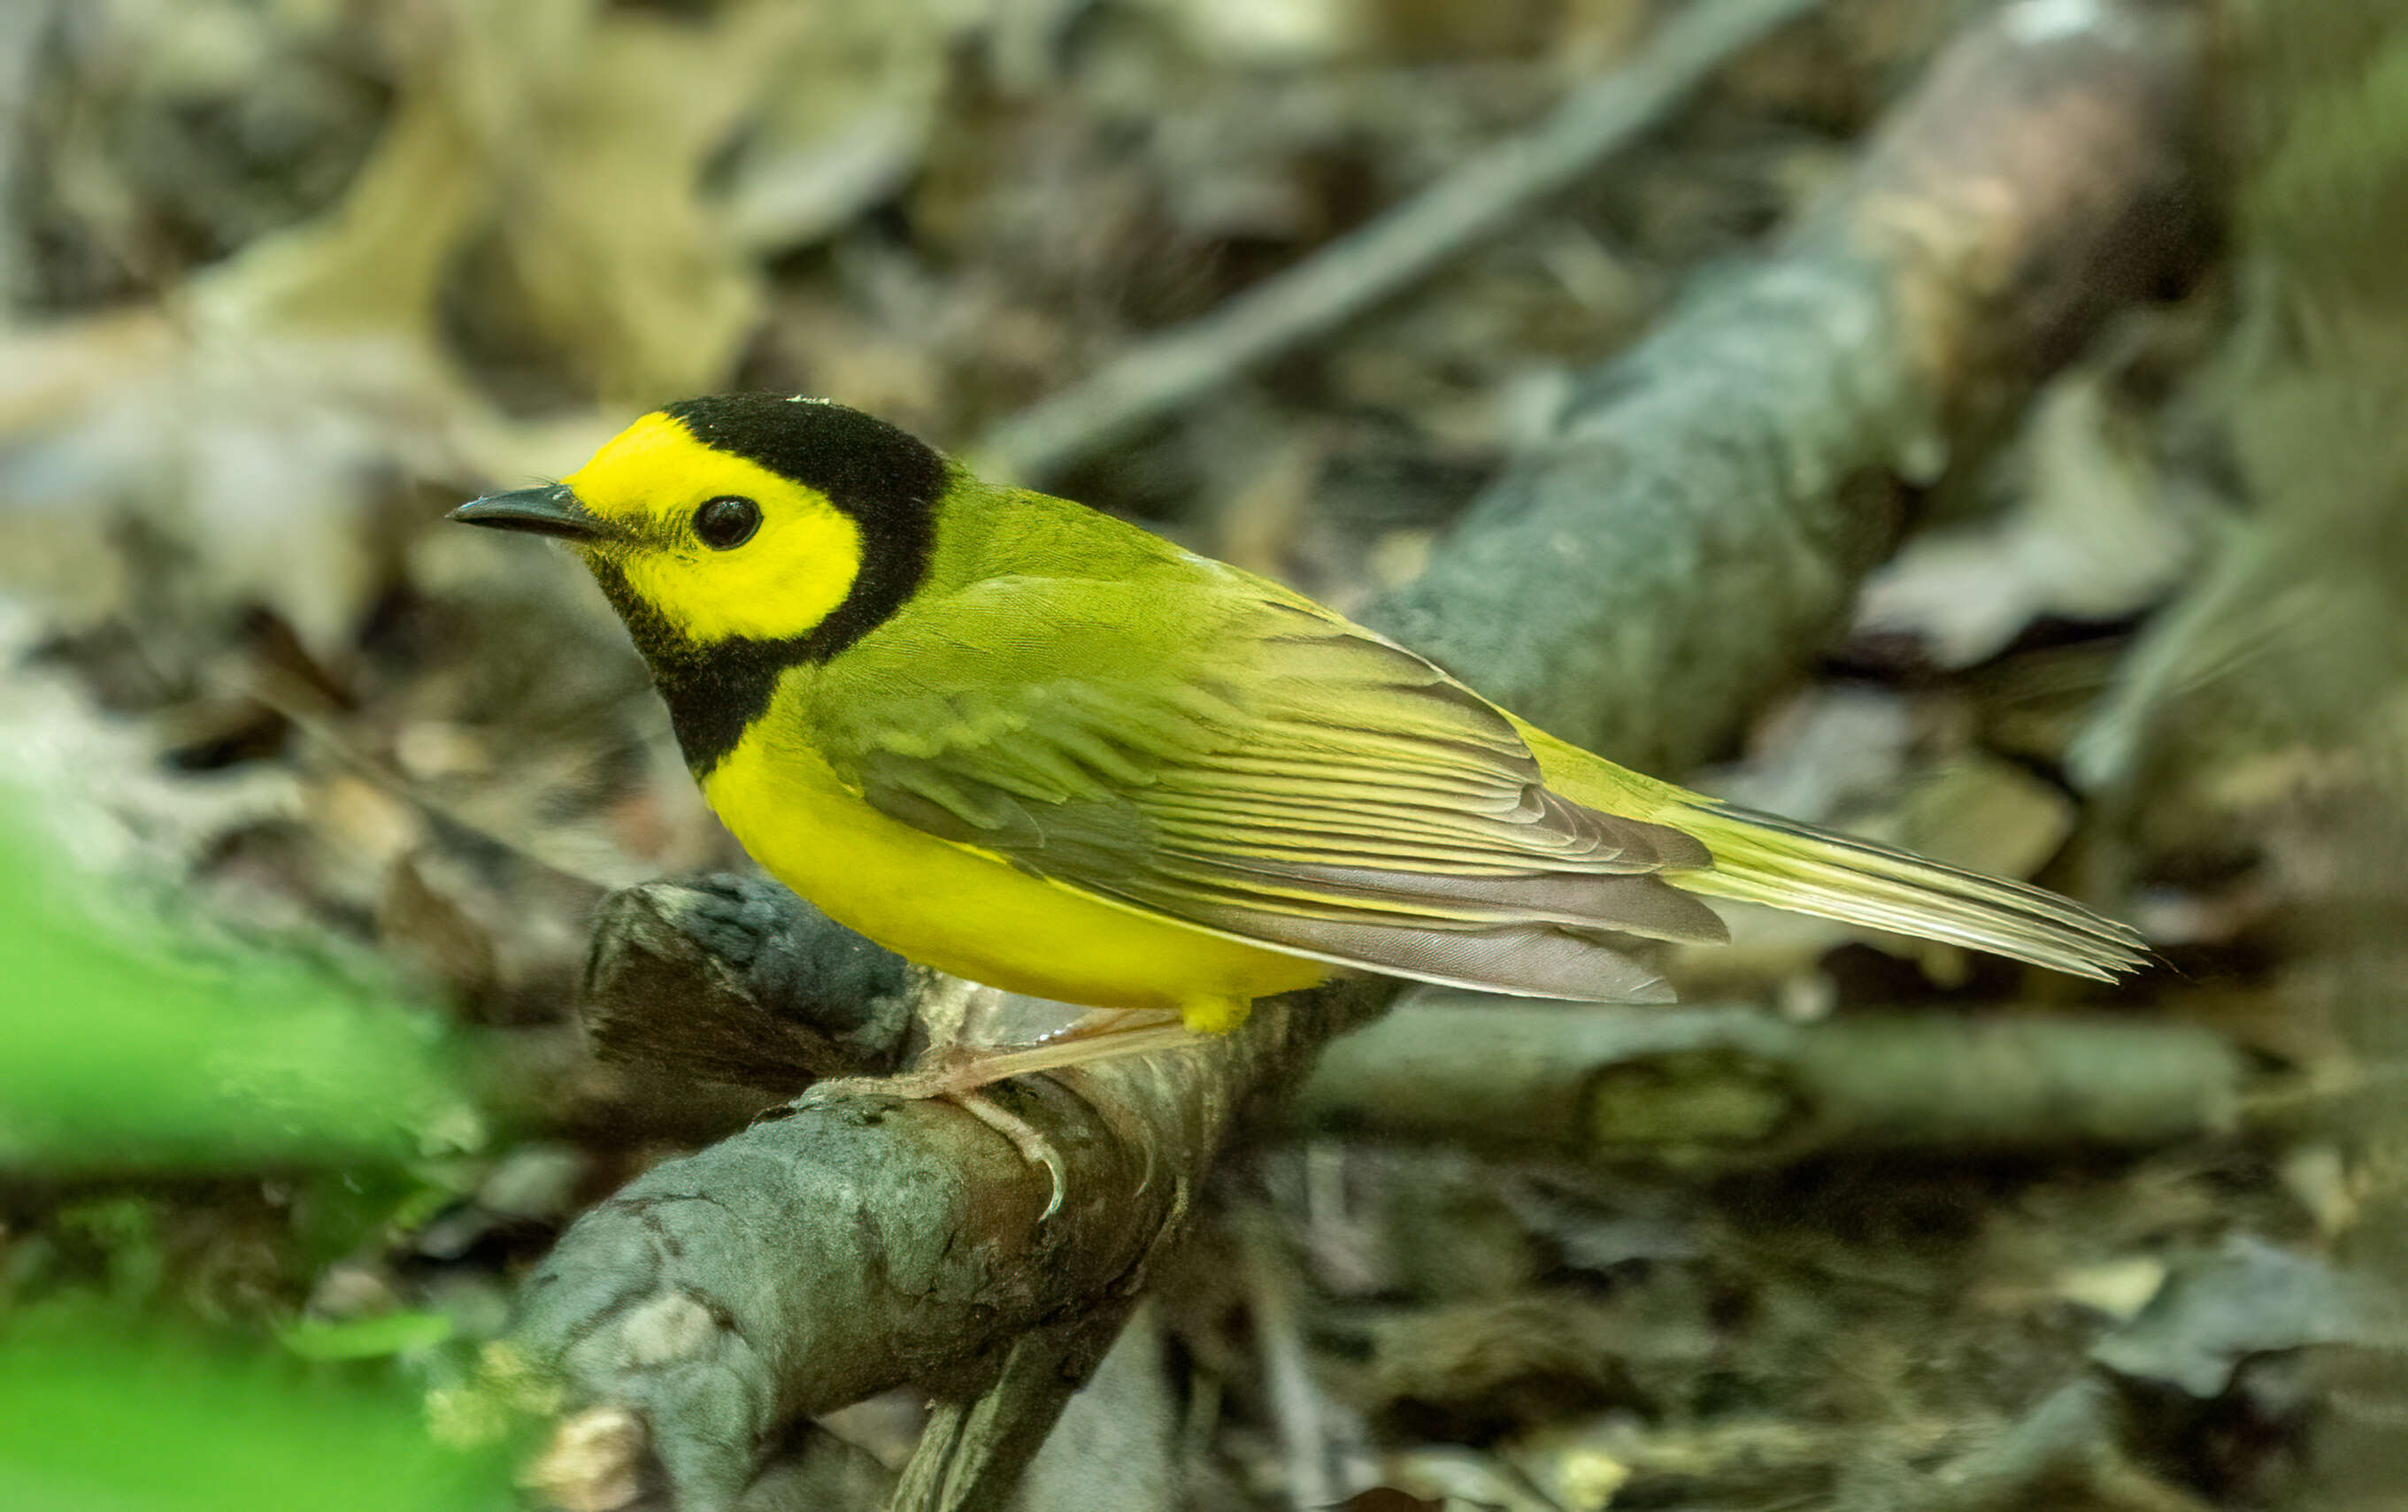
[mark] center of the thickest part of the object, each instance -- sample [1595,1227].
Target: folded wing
[1258,768]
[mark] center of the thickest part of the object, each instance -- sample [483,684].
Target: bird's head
[787,526]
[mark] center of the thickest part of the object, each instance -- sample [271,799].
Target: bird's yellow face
[738,536]
[789,527]
[716,544]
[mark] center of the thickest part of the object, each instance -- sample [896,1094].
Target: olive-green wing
[1219,752]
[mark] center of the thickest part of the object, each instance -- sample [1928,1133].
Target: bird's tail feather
[1762,858]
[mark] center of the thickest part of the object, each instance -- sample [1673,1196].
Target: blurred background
[306,799]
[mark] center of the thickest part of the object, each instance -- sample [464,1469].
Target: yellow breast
[971,913]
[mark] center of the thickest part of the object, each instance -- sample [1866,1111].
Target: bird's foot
[957,1079]
[1104,1034]
[957,1074]
[1025,1137]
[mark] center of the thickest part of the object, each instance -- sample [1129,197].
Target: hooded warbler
[1035,747]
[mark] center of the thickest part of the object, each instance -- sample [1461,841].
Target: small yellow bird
[1039,748]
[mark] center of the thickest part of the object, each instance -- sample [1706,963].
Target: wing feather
[1262,769]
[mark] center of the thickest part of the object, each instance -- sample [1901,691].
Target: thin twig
[1475,200]
[1297,1405]
[973,1453]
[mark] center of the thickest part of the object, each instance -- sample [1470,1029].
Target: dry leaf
[2093,537]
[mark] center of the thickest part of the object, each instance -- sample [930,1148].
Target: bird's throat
[713,693]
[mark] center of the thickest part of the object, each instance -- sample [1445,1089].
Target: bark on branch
[1694,531]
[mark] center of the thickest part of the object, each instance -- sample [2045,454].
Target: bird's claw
[1025,1137]
[962,1087]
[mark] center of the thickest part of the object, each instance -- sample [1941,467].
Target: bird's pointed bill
[549,510]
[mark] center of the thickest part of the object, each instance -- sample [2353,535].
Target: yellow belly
[971,913]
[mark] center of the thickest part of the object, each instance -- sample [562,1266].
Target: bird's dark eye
[728,521]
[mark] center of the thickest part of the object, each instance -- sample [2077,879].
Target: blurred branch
[1474,201]
[1745,455]
[1750,451]
[1716,1088]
